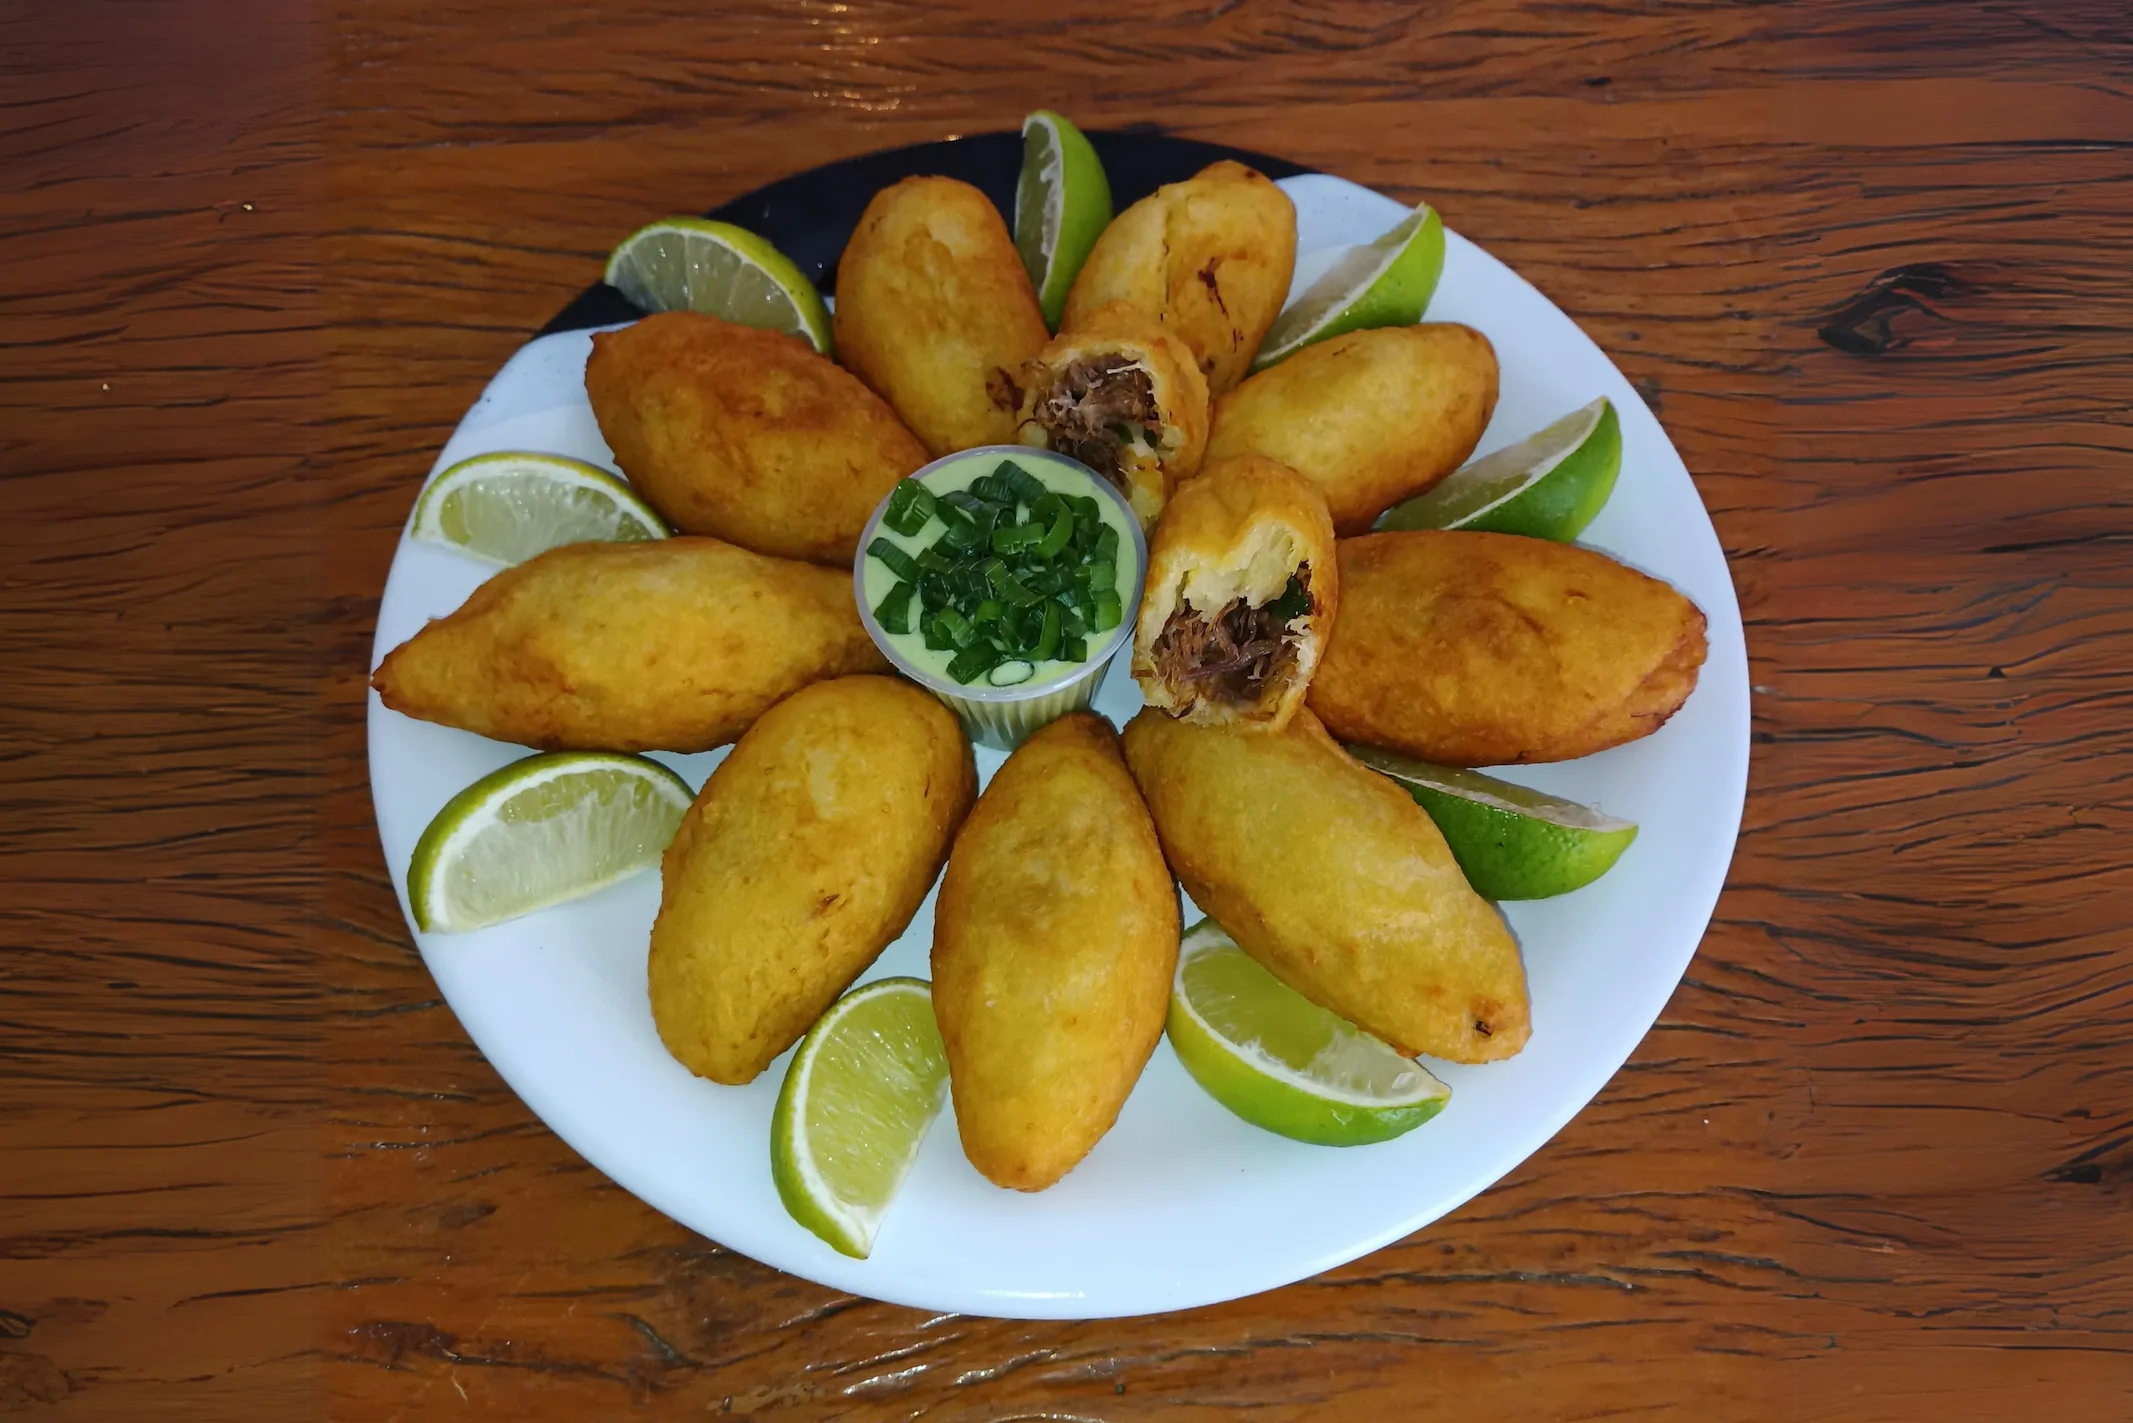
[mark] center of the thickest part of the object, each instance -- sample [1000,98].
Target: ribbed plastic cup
[1005,717]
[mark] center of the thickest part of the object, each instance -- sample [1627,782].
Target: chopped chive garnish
[1009,588]
[892,555]
[1107,612]
[1013,540]
[893,612]
[1294,601]
[973,662]
[1055,538]
[910,506]
[1047,643]
[955,627]
[1015,574]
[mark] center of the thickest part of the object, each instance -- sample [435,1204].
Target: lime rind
[1062,205]
[509,505]
[1387,281]
[1550,485]
[861,1092]
[1511,841]
[1283,1063]
[701,264]
[479,861]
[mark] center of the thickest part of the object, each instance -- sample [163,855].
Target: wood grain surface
[1867,258]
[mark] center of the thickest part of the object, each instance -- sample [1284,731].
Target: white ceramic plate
[1182,1204]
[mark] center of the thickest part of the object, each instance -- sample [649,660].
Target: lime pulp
[697,264]
[508,506]
[1549,485]
[1062,205]
[1384,282]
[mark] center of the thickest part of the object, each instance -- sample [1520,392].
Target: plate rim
[1038,1304]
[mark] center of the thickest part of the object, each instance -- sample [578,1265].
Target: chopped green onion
[1047,642]
[1015,539]
[894,558]
[991,610]
[910,507]
[933,591]
[1108,611]
[1100,576]
[932,560]
[1107,544]
[1055,538]
[1009,588]
[1011,673]
[929,628]
[957,628]
[1072,648]
[1293,603]
[1071,622]
[973,662]
[893,612]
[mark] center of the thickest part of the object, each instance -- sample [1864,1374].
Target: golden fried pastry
[747,435]
[1472,649]
[936,313]
[806,854]
[673,645]
[1210,258]
[1371,418]
[1123,396]
[1243,588]
[1054,941]
[1334,880]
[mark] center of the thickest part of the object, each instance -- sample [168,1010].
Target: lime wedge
[1386,282]
[1513,842]
[695,264]
[1549,485]
[1280,1061]
[540,831]
[864,1085]
[509,506]
[1062,205]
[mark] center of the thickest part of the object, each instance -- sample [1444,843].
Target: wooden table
[1868,260]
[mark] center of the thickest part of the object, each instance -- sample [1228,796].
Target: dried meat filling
[1235,656]
[1094,408]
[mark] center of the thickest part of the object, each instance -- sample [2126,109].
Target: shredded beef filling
[1234,656]
[1094,406]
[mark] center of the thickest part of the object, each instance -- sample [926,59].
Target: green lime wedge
[1513,842]
[864,1085]
[509,506]
[695,264]
[540,831]
[1280,1061]
[1549,485]
[1062,205]
[1386,282]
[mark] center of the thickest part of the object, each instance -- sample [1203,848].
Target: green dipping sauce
[991,570]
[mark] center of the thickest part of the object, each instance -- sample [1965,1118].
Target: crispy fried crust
[936,313]
[674,645]
[1331,877]
[1238,532]
[747,435]
[1472,649]
[1210,258]
[1371,418]
[1054,941]
[1118,329]
[808,851]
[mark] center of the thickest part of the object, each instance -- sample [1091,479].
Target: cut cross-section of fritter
[1123,396]
[1243,586]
